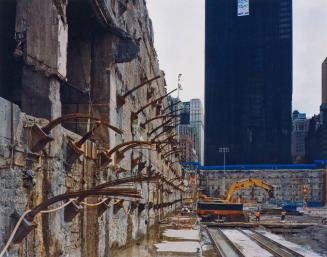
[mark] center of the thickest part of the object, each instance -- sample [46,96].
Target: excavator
[245,184]
[208,207]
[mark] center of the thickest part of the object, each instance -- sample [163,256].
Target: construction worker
[283,215]
[257,216]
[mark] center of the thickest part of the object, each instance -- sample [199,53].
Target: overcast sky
[179,41]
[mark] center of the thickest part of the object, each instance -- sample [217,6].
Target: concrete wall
[122,56]
[288,184]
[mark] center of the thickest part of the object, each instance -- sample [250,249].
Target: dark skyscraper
[248,81]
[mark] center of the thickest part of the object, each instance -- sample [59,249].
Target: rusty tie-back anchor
[142,125]
[167,140]
[135,114]
[28,223]
[74,150]
[160,126]
[141,165]
[165,155]
[73,209]
[159,134]
[121,99]
[120,154]
[41,135]
[173,144]
[106,155]
[170,106]
[135,161]
[172,112]
[118,206]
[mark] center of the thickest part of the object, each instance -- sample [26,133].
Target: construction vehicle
[245,184]
[212,208]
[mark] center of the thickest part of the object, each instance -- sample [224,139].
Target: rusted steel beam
[40,136]
[121,99]
[156,118]
[74,150]
[134,114]
[24,230]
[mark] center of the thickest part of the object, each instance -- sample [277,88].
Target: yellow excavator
[241,184]
[245,184]
[208,206]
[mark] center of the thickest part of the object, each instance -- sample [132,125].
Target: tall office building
[197,121]
[248,81]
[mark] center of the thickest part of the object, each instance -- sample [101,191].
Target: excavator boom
[248,183]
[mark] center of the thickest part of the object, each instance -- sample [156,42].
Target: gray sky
[179,41]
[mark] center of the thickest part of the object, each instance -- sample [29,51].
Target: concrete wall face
[288,184]
[117,56]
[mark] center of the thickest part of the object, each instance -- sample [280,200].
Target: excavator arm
[248,183]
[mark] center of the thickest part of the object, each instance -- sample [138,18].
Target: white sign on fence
[243,8]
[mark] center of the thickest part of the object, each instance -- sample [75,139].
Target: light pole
[224,150]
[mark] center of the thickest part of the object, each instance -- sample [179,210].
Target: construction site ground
[179,236]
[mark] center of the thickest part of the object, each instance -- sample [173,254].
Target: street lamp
[224,150]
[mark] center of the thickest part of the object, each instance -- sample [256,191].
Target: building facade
[81,63]
[197,121]
[288,184]
[186,138]
[248,81]
[316,140]
[190,132]
[299,133]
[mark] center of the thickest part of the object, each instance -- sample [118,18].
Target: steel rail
[231,244]
[273,246]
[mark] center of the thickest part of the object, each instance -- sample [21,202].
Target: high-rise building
[248,81]
[190,132]
[316,140]
[197,121]
[299,133]
[185,113]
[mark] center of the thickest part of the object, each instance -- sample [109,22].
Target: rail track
[226,247]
